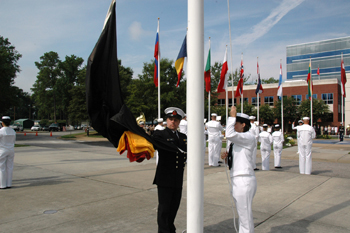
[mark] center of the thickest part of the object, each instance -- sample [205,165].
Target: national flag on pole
[279,89]
[223,76]
[239,90]
[318,70]
[343,77]
[207,78]
[259,88]
[179,63]
[310,87]
[156,58]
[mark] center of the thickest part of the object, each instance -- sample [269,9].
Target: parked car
[36,128]
[17,127]
[55,127]
[45,128]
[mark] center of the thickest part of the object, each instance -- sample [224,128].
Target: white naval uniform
[183,126]
[296,128]
[7,154]
[214,146]
[305,134]
[242,175]
[278,140]
[255,131]
[265,139]
[204,143]
[158,127]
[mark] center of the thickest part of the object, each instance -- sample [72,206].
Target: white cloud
[136,32]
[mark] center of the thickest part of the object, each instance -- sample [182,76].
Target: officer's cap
[160,120]
[306,118]
[174,112]
[264,125]
[164,123]
[6,118]
[300,121]
[277,126]
[214,114]
[252,118]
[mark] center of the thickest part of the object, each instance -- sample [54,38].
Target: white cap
[277,125]
[243,115]
[164,123]
[6,118]
[264,125]
[252,118]
[214,114]
[306,118]
[174,112]
[300,121]
[160,120]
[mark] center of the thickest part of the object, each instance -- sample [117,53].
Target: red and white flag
[222,87]
[343,77]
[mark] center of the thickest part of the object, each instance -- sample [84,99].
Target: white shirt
[254,130]
[277,137]
[183,126]
[214,128]
[305,134]
[242,149]
[159,127]
[7,139]
[266,140]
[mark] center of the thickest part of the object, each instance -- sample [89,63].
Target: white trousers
[254,153]
[6,168]
[277,152]
[214,150]
[265,159]
[305,159]
[243,191]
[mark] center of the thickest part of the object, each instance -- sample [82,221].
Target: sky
[259,28]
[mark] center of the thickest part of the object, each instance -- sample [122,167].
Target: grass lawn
[75,135]
[20,145]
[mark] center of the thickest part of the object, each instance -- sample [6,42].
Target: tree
[125,77]
[266,114]
[290,111]
[44,88]
[267,81]
[8,69]
[320,110]
[247,109]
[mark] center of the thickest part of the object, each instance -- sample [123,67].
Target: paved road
[71,186]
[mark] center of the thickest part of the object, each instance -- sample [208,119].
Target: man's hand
[233,112]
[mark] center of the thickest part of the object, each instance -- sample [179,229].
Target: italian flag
[207,73]
[310,88]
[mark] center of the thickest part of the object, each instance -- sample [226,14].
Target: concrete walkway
[94,189]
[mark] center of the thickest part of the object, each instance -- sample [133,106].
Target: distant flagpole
[229,27]
[280,93]
[257,62]
[343,81]
[242,88]
[158,74]
[206,81]
[310,92]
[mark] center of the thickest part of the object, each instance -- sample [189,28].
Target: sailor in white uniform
[305,134]
[183,125]
[159,127]
[265,139]
[7,153]
[205,140]
[300,122]
[214,137]
[254,129]
[240,161]
[278,140]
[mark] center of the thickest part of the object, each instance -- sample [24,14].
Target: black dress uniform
[169,178]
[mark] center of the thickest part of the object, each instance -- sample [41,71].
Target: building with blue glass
[325,55]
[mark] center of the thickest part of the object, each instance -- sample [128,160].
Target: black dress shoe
[256,169]
[279,167]
[219,162]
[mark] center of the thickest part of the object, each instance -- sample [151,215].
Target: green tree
[320,110]
[267,81]
[290,112]
[125,77]
[8,70]
[45,89]
[247,109]
[266,114]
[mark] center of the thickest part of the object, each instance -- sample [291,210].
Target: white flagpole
[242,90]
[282,127]
[158,73]
[210,88]
[257,59]
[226,92]
[311,93]
[195,100]
[229,27]
[342,95]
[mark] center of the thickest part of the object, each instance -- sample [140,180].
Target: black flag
[108,114]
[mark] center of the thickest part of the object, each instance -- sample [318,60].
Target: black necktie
[229,157]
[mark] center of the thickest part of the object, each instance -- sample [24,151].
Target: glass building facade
[325,55]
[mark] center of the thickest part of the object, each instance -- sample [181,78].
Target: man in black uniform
[170,170]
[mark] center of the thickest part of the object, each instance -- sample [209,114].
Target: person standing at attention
[305,134]
[240,161]
[214,137]
[254,129]
[7,153]
[278,140]
[170,170]
[265,139]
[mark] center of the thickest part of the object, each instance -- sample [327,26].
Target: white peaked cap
[277,125]
[214,114]
[264,125]
[306,118]
[6,118]
[174,112]
[160,120]
[252,118]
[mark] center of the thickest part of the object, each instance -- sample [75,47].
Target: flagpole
[257,59]
[282,127]
[311,93]
[242,90]
[229,27]
[195,100]
[226,92]
[342,94]
[209,90]
[158,75]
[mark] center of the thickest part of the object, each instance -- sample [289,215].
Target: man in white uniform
[158,127]
[278,140]
[254,129]
[265,139]
[305,134]
[7,153]
[240,161]
[214,137]
[183,125]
